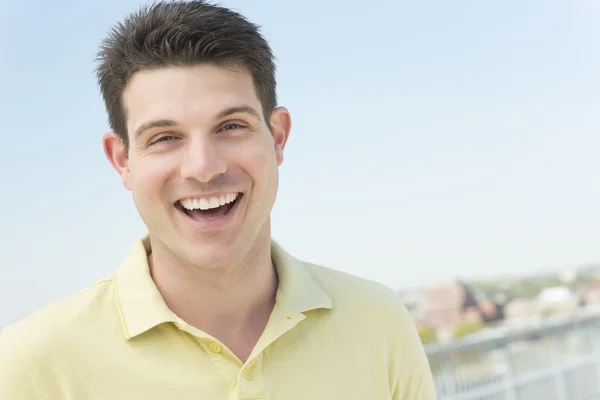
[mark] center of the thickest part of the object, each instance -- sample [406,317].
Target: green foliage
[527,287]
[427,335]
[467,328]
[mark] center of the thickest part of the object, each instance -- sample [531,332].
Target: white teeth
[214,202]
[206,203]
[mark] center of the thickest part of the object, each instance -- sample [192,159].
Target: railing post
[511,390]
[553,342]
[593,333]
[449,378]
[559,372]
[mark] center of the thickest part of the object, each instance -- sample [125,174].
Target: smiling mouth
[208,208]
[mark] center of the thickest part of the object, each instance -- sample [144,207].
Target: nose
[203,161]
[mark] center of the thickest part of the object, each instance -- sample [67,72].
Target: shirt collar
[298,289]
[141,306]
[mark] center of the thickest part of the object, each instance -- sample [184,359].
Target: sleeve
[414,380]
[18,378]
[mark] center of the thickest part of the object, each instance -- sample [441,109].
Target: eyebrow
[244,109]
[168,123]
[161,123]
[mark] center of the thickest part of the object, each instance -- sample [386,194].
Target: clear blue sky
[430,139]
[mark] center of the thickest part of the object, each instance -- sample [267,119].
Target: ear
[281,125]
[116,152]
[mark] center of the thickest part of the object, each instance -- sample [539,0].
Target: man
[207,305]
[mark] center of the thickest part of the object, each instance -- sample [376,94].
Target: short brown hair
[181,33]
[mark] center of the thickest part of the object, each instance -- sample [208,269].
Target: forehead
[186,93]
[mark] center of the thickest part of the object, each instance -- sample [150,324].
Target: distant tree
[427,335]
[524,287]
[467,328]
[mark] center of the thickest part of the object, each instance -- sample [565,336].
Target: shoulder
[348,291]
[18,375]
[371,306]
[49,330]
[376,310]
[32,348]
[68,312]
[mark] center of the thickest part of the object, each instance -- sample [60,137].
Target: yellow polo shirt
[330,336]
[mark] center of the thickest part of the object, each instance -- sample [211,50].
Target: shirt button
[248,373]
[215,347]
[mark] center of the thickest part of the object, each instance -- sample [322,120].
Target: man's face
[202,163]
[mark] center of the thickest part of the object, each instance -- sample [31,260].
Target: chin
[211,253]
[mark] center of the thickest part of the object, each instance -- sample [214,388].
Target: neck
[219,301]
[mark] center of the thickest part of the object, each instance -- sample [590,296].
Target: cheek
[255,152]
[259,161]
[148,178]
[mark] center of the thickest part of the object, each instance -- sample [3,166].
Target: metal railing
[555,359]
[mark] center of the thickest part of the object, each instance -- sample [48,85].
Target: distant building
[557,300]
[591,293]
[521,309]
[451,303]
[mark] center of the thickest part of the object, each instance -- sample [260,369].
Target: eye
[230,126]
[166,138]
